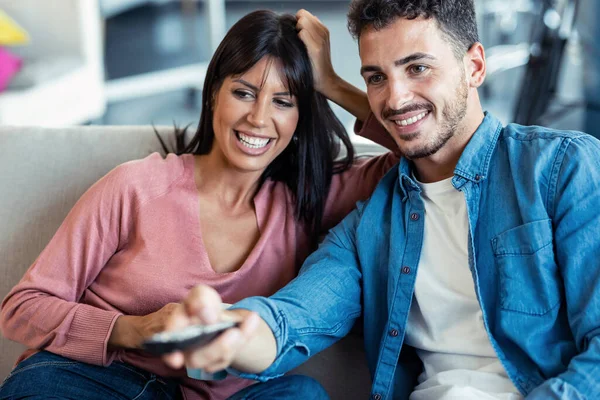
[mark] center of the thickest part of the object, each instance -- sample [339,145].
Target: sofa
[43,171]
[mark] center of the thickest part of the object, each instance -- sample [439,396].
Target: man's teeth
[410,121]
[252,142]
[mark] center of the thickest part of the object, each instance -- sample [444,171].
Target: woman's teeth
[410,121]
[252,142]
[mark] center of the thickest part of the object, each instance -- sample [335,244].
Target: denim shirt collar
[473,164]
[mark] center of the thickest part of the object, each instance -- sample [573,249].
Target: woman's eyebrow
[257,89]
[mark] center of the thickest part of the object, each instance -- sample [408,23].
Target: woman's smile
[253,145]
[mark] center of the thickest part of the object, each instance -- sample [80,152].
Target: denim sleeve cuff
[276,322]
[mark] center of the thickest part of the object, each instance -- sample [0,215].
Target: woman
[239,209]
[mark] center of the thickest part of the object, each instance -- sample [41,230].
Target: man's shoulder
[538,133]
[537,141]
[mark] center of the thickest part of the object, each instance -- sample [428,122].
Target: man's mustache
[388,112]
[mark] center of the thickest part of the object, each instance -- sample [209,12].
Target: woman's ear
[475,65]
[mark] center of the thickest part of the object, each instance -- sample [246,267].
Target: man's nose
[399,94]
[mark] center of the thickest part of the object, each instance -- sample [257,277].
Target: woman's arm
[316,39]
[129,331]
[43,311]
[315,36]
[353,185]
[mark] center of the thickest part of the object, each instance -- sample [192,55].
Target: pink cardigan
[132,244]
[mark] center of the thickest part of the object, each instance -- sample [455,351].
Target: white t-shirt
[445,322]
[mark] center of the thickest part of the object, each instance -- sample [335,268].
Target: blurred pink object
[10,64]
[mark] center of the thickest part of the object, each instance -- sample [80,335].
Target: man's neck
[442,164]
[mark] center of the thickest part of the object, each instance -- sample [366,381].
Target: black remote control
[187,338]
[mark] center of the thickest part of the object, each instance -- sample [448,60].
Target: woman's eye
[375,79]
[283,103]
[243,94]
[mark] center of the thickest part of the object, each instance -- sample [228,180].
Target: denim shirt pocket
[528,274]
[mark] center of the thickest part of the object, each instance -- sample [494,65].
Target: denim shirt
[533,202]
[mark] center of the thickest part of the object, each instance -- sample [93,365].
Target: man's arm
[309,314]
[575,204]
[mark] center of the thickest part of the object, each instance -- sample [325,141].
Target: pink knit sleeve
[42,310]
[360,180]
[353,185]
[372,130]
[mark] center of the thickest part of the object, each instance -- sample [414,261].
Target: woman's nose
[258,114]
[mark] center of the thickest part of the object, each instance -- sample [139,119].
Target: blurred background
[123,62]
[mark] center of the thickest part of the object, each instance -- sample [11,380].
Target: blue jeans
[49,376]
[292,387]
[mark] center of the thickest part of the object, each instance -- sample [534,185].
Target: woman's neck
[230,187]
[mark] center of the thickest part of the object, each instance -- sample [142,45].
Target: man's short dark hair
[455,18]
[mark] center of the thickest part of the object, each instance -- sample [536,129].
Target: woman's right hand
[129,330]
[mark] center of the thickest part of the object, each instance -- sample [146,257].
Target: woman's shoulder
[153,163]
[275,191]
[151,174]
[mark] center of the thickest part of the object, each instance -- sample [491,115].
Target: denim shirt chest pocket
[527,271]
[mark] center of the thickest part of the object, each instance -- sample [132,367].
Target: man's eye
[375,79]
[419,69]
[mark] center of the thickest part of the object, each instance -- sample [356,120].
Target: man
[474,263]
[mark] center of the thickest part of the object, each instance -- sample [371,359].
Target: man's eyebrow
[413,57]
[369,68]
[257,89]
[397,63]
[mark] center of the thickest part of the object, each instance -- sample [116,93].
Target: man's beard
[453,114]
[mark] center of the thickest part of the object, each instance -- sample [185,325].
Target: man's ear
[475,65]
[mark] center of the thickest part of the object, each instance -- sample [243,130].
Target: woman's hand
[315,36]
[129,330]
[316,39]
[250,346]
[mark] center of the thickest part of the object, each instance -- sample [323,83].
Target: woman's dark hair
[307,164]
[455,18]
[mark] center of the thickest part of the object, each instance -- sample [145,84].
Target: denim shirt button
[376,396]
[477,177]
[394,332]
[414,216]
[405,270]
